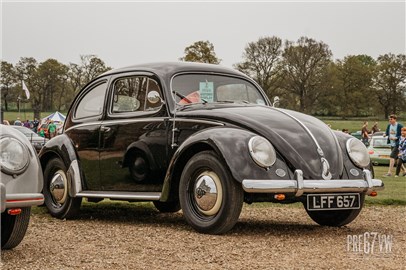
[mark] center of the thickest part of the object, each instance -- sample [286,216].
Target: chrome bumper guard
[299,186]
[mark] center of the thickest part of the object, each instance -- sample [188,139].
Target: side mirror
[154,97]
[275,101]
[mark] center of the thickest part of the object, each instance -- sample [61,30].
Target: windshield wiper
[188,100]
[182,96]
[233,101]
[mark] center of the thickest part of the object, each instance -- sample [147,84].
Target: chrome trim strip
[121,195]
[152,119]
[300,186]
[319,150]
[24,200]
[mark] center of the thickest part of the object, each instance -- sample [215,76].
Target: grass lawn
[395,189]
[353,125]
[12,116]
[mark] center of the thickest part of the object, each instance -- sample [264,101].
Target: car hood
[305,142]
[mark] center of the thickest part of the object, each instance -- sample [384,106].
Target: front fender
[60,146]
[230,144]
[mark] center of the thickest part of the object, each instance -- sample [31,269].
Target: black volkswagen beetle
[204,139]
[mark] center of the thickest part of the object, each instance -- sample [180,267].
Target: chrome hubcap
[208,193]
[58,186]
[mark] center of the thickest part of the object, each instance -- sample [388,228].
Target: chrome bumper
[299,186]
[19,200]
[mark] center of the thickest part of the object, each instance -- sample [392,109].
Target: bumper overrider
[298,186]
[18,200]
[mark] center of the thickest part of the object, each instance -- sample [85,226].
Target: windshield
[207,88]
[380,142]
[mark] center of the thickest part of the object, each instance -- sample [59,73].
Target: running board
[121,195]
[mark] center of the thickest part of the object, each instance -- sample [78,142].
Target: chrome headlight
[262,151]
[358,152]
[14,156]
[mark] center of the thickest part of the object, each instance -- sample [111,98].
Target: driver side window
[131,95]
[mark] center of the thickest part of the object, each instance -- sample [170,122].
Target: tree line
[52,85]
[302,73]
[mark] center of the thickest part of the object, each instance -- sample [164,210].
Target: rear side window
[92,103]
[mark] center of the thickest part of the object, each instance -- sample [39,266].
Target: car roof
[170,68]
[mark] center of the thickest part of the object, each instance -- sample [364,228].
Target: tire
[139,167]
[13,228]
[215,213]
[167,207]
[335,218]
[56,191]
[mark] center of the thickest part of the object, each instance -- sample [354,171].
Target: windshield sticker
[207,91]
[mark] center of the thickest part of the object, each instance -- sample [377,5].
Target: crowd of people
[48,129]
[396,138]
[396,134]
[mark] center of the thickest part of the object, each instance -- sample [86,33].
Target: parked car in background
[357,134]
[37,141]
[20,185]
[204,139]
[379,150]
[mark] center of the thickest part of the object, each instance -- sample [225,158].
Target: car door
[133,145]
[84,131]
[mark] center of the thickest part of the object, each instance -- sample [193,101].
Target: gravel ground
[264,238]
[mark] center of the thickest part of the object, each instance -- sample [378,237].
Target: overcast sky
[129,32]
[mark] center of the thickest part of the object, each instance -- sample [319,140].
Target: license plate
[341,201]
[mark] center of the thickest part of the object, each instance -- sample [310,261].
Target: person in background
[27,124]
[345,130]
[35,124]
[402,151]
[393,132]
[375,128]
[364,133]
[52,129]
[6,122]
[41,132]
[17,122]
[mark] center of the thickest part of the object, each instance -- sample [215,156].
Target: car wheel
[56,191]
[139,168]
[335,218]
[210,198]
[13,228]
[167,207]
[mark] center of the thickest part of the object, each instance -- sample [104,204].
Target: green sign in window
[207,91]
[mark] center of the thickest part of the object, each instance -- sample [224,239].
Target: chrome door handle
[105,129]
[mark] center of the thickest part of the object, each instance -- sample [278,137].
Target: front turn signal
[373,194]
[279,197]
[14,211]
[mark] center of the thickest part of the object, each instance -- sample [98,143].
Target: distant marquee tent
[56,117]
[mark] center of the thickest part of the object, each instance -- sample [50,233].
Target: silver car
[20,185]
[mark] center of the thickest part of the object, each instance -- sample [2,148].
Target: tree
[7,81]
[261,60]
[26,69]
[201,51]
[50,76]
[354,79]
[304,67]
[389,84]
[89,68]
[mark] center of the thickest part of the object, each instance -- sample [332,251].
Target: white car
[20,185]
